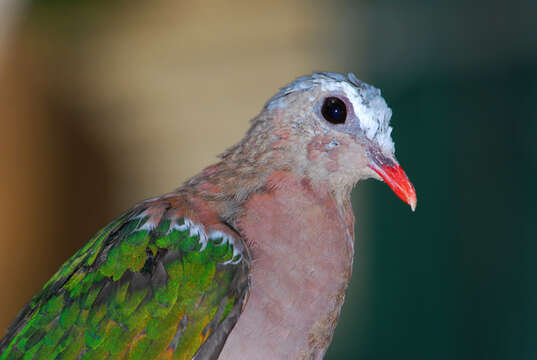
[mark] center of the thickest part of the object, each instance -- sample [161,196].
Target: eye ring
[334,110]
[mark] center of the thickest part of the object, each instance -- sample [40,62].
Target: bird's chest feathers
[301,243]
[292,220]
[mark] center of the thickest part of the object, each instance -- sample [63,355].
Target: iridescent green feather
[133,292]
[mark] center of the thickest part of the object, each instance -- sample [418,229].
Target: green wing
[140,289]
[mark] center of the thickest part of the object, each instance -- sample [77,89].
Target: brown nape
[243,170]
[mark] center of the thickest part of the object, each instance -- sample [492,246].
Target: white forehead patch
[369,106]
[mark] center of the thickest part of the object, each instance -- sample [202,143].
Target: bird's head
[337,127]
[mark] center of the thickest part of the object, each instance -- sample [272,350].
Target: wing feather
[150,285]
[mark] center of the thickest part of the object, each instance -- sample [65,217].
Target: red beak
[397,180]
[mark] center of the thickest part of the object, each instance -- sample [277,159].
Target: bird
[249,259]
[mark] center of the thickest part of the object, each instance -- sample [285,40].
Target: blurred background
[105,103]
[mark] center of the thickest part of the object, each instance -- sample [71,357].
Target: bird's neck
[272,147]
[301,243]
[229,184]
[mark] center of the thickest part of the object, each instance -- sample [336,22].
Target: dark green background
[456,279]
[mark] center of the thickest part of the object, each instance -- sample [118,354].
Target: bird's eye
[334,110]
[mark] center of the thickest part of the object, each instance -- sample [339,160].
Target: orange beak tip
[397,180]
[413,203]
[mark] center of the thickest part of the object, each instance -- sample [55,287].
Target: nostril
[332,144]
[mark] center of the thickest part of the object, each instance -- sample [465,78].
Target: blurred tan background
[104,103]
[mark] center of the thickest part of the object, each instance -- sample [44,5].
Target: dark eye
[334,110]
